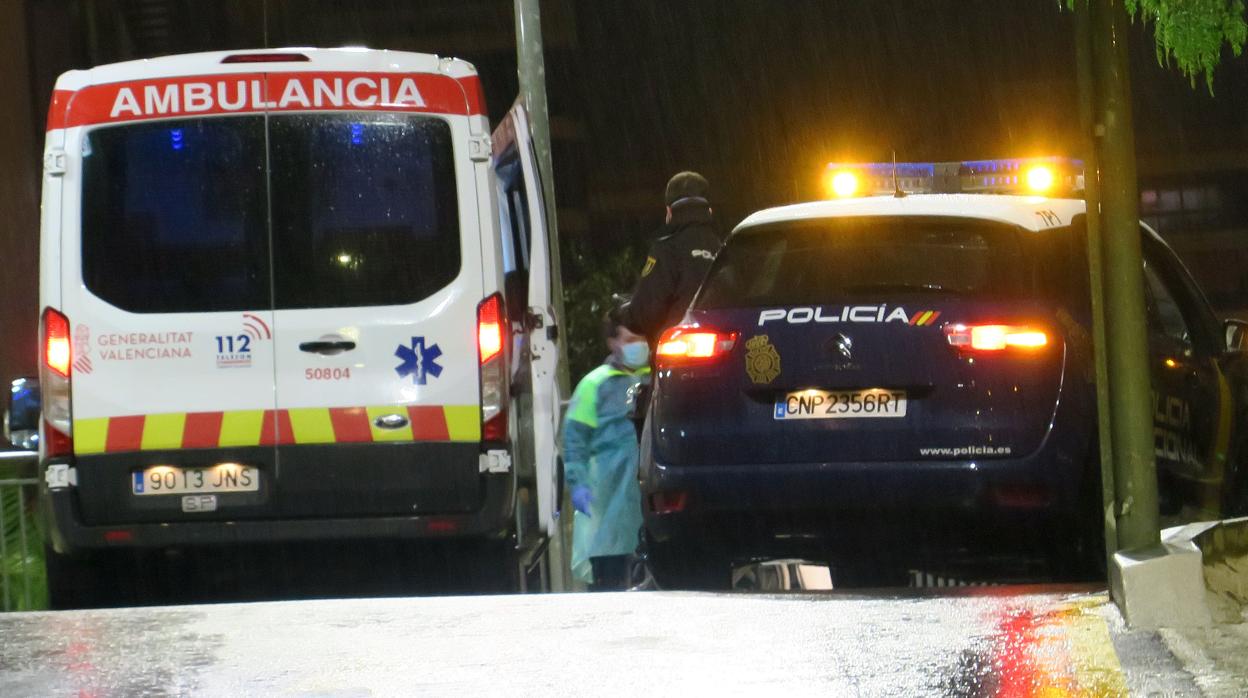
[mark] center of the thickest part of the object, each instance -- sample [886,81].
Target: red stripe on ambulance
[125,433]
[428,423]
[202,430]
[350,424]
[240,93]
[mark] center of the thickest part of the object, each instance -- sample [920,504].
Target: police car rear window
[804,262]
[350,210]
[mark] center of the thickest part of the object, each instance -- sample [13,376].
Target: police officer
[679,258]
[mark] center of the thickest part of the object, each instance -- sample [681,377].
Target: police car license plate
[168,479]
[842,404]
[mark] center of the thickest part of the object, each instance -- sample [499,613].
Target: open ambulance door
[531,308]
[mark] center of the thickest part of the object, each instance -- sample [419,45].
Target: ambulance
[292,295]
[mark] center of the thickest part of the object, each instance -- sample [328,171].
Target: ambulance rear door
[377,282]
[165,284]
[527,252]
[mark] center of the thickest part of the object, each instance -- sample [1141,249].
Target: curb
[1224,565]
[1196,577]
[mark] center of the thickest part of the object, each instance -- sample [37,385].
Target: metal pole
[531,71]
[1088,106]
[1135,471]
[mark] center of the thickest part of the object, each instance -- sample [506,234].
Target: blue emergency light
[1045,176]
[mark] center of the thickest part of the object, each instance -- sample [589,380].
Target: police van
[287,297]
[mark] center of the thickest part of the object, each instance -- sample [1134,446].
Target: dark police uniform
[679,259]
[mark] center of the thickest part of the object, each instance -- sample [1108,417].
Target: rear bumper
[811,509]
[448,498]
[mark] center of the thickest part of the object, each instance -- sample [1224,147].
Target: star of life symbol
[419,361]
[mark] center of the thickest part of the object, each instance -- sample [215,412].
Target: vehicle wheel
[492,567]
[1077,548]
[85,580]
[684,567]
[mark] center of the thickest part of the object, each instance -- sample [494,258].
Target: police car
[287,296]
[876,379]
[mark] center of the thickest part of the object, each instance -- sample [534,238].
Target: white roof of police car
[1023,211]
[209,63]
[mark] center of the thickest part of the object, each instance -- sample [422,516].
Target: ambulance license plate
[842,404]
[169,479]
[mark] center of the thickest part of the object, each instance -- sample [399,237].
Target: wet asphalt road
[997,642]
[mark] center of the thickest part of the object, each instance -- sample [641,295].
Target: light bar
[874,178]
[1040,176]
[1047,176]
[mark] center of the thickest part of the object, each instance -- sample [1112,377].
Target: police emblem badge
[762,361]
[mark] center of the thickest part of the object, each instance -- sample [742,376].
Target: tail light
[668,502]
[690,344]
[55,371]
[491,341]
[995,337]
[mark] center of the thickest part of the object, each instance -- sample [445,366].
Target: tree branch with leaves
[1191,34]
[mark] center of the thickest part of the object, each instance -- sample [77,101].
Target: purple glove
[582,498]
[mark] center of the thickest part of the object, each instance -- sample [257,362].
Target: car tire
[683,567]
[492,567]
[1077,547]
[86,580]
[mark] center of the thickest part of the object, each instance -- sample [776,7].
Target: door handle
[327,347]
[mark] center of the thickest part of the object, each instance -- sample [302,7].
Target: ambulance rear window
[351,209]
[365,210]
[174,215]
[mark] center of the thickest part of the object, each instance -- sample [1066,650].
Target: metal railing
[22,573]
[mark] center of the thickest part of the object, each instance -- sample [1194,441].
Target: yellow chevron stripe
[926,318]
[241,427]
[312,425]
[90,435]
[163,431]
[463,422]
[402,434]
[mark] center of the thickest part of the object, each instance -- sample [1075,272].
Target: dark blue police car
[902,381]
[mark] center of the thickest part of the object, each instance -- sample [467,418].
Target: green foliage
[591,277]
[1190,34]
[21,565]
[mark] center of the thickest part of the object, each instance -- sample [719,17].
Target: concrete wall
[19,200]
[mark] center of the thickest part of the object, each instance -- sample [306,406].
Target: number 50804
[327,374]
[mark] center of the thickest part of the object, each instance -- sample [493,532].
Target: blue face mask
[635,354]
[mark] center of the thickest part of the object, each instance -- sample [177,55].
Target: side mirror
[1236,336]
[21,415]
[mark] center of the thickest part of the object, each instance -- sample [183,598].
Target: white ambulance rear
[273,292]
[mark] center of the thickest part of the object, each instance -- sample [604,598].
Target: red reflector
[686,344]
[118,536]
[668,502]
[1021,496]
[55,443]
[56,352]
[266,58]
[490,327]
[441,526]
[495,430]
